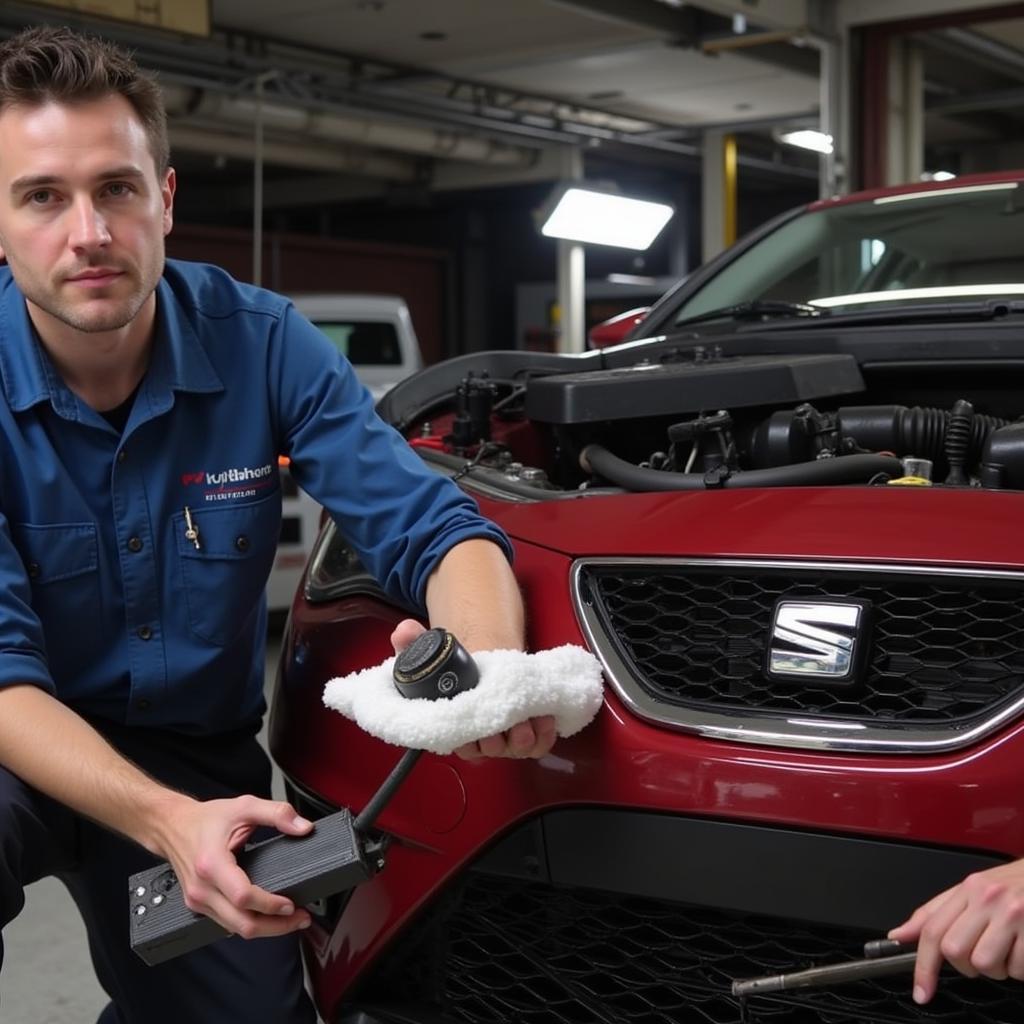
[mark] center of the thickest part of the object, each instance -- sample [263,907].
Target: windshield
[901,249]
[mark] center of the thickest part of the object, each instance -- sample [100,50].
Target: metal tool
[882,957]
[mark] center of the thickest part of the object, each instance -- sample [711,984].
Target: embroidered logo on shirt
[236,482]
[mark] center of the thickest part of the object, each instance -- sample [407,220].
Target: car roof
[951,184]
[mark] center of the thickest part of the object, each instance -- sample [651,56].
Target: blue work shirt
[104,598]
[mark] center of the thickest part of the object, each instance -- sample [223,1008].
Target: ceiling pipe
[242,110]
[289,154]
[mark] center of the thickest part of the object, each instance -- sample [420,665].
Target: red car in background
[788,521]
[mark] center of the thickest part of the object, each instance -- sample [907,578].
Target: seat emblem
[818,640]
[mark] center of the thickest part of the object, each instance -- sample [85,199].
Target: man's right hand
[53,749]
[199,838]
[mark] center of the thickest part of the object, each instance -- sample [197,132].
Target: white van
[376,335]
[374,332]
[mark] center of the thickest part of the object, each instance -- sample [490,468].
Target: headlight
[336,571]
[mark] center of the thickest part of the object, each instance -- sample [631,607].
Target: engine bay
[695,418]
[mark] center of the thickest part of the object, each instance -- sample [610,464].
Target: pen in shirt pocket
[191,530]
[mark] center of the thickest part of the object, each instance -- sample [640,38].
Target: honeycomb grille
[944,650]
[506,951]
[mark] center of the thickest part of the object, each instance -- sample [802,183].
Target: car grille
[505,951]
[946,649]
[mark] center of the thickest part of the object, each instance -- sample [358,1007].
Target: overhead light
[643,280]
[603,217]
[938,176]
[808,138]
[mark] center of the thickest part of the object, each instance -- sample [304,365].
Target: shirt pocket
[62,564]
[224,577]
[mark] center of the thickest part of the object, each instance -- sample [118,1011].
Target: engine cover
[668,389]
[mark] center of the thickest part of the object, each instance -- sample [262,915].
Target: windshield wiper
[969,310]
[759,309]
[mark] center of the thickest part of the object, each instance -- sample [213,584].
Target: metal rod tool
[882,957]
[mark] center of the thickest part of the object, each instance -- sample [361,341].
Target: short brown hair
[55,65]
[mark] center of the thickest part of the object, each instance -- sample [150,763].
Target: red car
[788,520]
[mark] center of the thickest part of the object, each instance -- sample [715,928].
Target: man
[142,410]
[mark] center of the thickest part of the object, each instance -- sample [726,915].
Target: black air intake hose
[911,431]
[1002,464]
[846,469]
[958,441]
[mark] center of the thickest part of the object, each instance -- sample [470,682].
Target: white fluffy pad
[564,682]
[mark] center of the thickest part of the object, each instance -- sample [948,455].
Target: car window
[910,247]
[365,342]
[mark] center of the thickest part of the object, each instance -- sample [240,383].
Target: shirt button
[122,455]
[242,543]
[142,705]
[34,570]
[135,545]
[144,633]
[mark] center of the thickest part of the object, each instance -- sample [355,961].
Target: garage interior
[345,136]
[406,146]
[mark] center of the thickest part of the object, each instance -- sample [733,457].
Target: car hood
[898,524]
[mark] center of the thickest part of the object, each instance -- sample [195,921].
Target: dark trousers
[258,981]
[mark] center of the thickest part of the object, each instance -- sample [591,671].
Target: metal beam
[688,25]
[326,81]
[297,153]
[770,13]
[1000,99]
[682,22]
[982,50]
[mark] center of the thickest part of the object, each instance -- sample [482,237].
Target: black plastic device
[335,856]
[303,868]
[434,665]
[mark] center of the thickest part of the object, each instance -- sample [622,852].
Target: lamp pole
[571,270]
[257,179]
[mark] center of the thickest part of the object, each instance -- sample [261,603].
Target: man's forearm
[57,752]
[474,594]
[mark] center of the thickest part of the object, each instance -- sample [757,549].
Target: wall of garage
[295,263]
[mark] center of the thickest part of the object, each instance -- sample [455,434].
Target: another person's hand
[978,926]
[533,738]
[200,840]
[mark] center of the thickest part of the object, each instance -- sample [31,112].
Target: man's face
[83,214]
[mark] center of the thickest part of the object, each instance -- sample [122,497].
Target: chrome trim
[837,735]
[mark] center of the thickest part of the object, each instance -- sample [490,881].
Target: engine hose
[845,469]
[957,443]
[911,431]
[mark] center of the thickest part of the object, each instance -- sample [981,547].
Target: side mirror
[615,329]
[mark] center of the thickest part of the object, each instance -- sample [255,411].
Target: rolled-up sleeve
[399,515]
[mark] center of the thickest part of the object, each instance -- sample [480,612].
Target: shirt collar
[178,361]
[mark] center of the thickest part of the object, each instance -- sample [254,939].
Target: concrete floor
[47,975]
